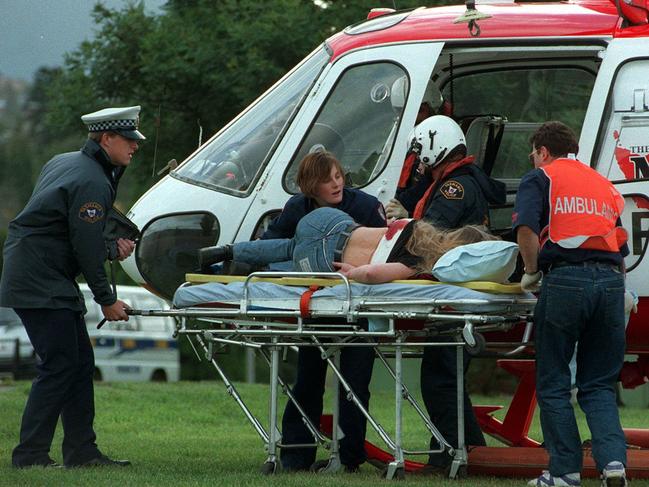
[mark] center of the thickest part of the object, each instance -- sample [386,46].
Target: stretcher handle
[326,275]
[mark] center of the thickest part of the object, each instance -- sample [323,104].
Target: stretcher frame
[267,332]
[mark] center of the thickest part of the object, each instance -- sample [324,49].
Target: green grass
[187,434]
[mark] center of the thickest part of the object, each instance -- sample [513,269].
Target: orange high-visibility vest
[584,208]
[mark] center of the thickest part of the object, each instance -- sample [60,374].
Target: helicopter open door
[351,114]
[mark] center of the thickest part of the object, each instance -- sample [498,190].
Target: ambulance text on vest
[586,206]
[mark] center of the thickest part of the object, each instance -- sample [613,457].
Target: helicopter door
[349,112]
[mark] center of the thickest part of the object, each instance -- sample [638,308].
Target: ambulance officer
[567,221]
[458,194]
[55,238]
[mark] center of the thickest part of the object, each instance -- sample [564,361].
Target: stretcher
[272,312]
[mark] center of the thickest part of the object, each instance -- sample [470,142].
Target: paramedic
[567,222]
[458,194]
[321,180]
[412,173]
[56,237]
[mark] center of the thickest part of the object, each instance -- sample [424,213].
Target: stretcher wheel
[479,347]
[269,468]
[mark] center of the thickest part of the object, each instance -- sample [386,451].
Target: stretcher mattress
[391,296]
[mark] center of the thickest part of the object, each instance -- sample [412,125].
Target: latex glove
[630,303]
[531,282]
[395,209]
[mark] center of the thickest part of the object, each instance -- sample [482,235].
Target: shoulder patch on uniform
[452,190]
[91,212]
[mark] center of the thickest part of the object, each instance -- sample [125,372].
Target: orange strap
[305,301]
[406,170]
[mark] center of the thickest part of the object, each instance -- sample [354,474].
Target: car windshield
[233,159]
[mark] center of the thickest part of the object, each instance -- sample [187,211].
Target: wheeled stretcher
[271,312]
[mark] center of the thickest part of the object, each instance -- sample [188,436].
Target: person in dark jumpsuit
[456,193]
[58,236]
[321,180]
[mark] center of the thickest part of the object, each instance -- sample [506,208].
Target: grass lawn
[192,433]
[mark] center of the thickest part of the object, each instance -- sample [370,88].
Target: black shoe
[101,461]
[46,463]
[213,255]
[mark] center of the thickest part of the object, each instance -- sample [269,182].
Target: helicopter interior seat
[483,135]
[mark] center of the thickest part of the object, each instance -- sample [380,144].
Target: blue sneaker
[547,479]
[614,475]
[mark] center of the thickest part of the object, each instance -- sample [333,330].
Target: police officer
[458,194]
[567,223]
[55,238]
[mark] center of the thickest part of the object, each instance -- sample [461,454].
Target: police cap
[124,121]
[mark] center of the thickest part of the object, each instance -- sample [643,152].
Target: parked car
[16,353]
[140,349]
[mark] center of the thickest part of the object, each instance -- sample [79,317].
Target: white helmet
[399,90]
[435,138]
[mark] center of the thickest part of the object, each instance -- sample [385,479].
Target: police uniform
[575,212]
[355,362]
[461,197]
[55,238]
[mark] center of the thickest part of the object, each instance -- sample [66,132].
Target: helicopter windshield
[233,158]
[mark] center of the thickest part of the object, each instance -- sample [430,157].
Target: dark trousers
[62,388]
[439,392]
[356,366]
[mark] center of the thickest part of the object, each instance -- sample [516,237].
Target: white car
[16,353]
[140,349]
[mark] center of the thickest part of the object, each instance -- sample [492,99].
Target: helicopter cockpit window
[357,123]
[232,160]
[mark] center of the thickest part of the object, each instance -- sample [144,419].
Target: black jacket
[463,198]
[365,209]
[59,234]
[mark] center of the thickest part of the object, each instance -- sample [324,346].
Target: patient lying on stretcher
[328,240]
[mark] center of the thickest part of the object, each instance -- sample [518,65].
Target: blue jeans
[318,236]
[585,305]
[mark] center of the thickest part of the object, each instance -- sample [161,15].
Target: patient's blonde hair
[430,243]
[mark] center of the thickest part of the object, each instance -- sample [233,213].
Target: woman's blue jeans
[585,305]
[318,235]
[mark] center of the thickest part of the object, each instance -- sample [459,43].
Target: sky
[35,33]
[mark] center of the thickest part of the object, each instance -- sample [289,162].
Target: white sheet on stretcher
[265,295]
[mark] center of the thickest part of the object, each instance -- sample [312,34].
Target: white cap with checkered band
[124,121]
